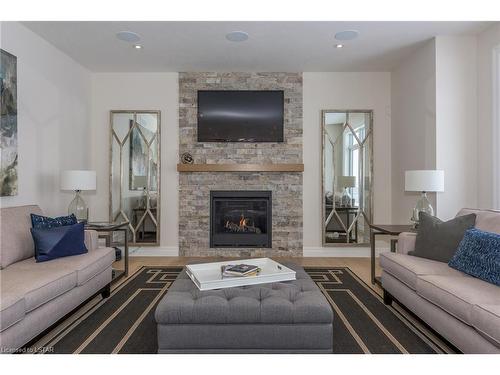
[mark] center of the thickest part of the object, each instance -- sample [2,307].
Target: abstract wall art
[8,124]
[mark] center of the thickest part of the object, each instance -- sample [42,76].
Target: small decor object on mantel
[8,124]
[187,158]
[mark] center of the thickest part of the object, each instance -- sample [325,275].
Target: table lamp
[78,180]
[347,182]
[423,181]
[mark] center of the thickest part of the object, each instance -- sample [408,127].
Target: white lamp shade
[424,180]
[347,181]
[78,180]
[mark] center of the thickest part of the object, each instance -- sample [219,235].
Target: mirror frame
[323,209]
[158,183]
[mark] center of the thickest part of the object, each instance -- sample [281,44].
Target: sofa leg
[106,291]
[387,298]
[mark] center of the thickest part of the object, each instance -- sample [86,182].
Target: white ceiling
[272,46]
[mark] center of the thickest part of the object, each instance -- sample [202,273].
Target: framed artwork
[8,124]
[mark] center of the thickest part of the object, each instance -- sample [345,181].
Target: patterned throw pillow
[59,242]
[45,222]
[479,255]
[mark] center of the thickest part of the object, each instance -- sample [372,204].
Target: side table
[105,230]
[386,230]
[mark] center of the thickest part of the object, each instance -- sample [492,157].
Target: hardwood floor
[360,266]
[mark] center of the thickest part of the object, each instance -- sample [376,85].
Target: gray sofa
[286,317]
[463,309]
[36,295]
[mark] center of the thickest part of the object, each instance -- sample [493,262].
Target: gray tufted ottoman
[287,317]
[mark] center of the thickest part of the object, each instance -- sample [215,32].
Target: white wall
[345,91]
[487,41]
[434,124]
[53,96]
[456,123]
[413,97]
[137,91]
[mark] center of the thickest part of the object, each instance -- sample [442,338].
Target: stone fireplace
[196,189]
[240,218]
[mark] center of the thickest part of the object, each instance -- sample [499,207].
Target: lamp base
[79,208]
[423,205]
[346,200]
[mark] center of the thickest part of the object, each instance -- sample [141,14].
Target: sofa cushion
[407,268]
[457,295]
[487,220]
[15,224]
[291,302]
[12,308]
[38,282]
[486,320]
[438,240]
[87,265]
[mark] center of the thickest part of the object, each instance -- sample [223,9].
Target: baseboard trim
[341,252]
[326,252]
[155,251]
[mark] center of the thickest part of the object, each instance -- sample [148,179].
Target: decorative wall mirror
[134,179]
[347,196]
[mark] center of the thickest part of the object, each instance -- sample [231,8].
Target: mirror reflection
[135,169]
[347,174]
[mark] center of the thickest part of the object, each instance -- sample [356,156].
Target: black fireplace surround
[240,218]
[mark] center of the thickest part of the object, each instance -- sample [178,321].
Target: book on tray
[240,270]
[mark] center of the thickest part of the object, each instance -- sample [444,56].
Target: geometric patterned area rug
[124,323]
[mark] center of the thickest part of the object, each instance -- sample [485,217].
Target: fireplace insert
[240,218]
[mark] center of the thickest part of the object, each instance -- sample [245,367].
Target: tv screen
[240,116]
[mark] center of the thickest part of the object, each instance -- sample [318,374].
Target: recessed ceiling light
[237,36]
[339,46]
[128,36]
[347,35]
[137,46]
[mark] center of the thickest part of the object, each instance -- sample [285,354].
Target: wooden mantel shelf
[240,167]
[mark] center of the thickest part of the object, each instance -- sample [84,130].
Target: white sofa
[34,296]
[463,309]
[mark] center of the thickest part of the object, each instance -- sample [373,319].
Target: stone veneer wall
[194,188]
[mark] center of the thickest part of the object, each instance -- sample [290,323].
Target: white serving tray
[208,276]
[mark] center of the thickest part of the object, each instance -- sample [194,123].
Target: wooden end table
[105,230]
[385,230]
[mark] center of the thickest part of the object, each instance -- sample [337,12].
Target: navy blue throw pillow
[45,222]
[479,255]
[59,242]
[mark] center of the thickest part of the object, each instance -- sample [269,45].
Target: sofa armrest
[406,242]
[91,240]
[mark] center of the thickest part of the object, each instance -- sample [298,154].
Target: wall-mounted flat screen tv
[240,116]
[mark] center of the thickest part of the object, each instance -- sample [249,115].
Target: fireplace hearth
[240,219]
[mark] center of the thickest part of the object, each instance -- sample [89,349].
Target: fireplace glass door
[240,219]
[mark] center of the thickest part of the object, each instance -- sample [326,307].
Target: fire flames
[244,225]
[243,222]
[241,225]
